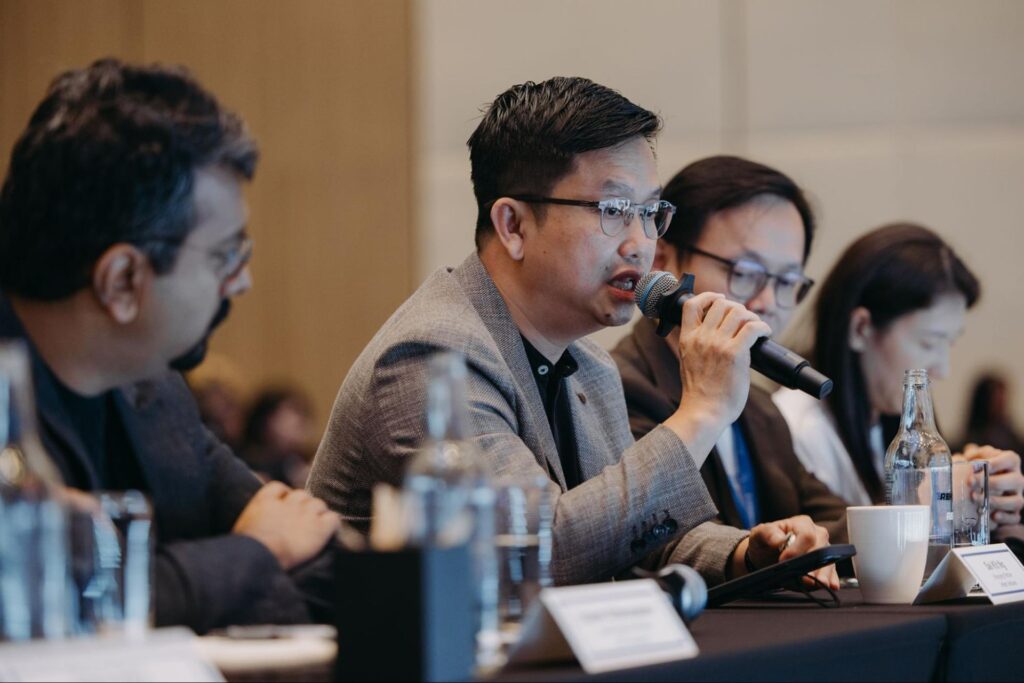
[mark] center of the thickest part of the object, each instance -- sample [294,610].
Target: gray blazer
[637,499]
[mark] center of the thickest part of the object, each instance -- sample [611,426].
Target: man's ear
[507,217]
[120,279]
[861,330]
[666,257]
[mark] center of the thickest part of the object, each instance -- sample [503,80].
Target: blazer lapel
[164,453]
[659,357]
[491,308]
[591,436]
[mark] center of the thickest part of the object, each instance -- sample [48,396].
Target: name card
[162,655]
[997,569]
[993,567]
[606,626]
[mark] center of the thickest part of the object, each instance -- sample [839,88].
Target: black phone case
[781,575]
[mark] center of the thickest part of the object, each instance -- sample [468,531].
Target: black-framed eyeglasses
[748,277]
[616,213]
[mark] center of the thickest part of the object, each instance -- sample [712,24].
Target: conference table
[790,639]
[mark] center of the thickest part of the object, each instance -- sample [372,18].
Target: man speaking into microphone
[569,213]
[744,230]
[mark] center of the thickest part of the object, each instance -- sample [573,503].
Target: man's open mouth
[624,282]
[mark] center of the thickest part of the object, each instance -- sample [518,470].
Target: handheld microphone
[685,587]
[660,296]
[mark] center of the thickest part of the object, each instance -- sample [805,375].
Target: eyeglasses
[748,277]
[230,260]
[616,214]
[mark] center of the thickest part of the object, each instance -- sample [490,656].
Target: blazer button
[582,398]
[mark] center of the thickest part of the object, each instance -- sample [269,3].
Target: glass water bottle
[918,466]
[448,496]
[35,596]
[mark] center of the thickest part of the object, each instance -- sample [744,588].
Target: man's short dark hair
[531,133]
[110,156]
[719,183]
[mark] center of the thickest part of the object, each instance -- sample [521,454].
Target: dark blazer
[204,576]
[650,376]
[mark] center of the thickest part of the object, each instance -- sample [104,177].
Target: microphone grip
[781,365]
[659,295]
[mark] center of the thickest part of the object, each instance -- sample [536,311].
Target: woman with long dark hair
[896,299]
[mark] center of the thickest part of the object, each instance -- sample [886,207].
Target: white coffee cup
[892,547]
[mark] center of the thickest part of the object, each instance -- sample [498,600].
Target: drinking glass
[112,546]
[970,503]
[524,514]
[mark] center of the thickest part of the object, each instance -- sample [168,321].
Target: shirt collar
[542,367]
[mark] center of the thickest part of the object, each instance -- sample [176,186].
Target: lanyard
[743,486]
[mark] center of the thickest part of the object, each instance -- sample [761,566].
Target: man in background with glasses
[122,243]
[743,230]
[569,213]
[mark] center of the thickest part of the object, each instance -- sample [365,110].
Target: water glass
[970,503]
[524,514]
[112,546]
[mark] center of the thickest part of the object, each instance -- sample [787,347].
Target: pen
[785,544]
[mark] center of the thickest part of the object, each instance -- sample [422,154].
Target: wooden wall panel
[325,87]
[41,38]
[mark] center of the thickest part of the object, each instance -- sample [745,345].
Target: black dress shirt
[551,384]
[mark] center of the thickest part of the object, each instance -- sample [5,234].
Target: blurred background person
[896,299]
[988,417]
[220,409]
[280,434]
[219,387]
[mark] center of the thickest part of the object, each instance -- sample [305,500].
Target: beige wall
[882,110]
[325,87]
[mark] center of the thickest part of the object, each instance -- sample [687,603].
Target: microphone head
[652,287]
[813,382]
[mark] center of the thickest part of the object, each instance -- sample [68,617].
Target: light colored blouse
[821,450]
